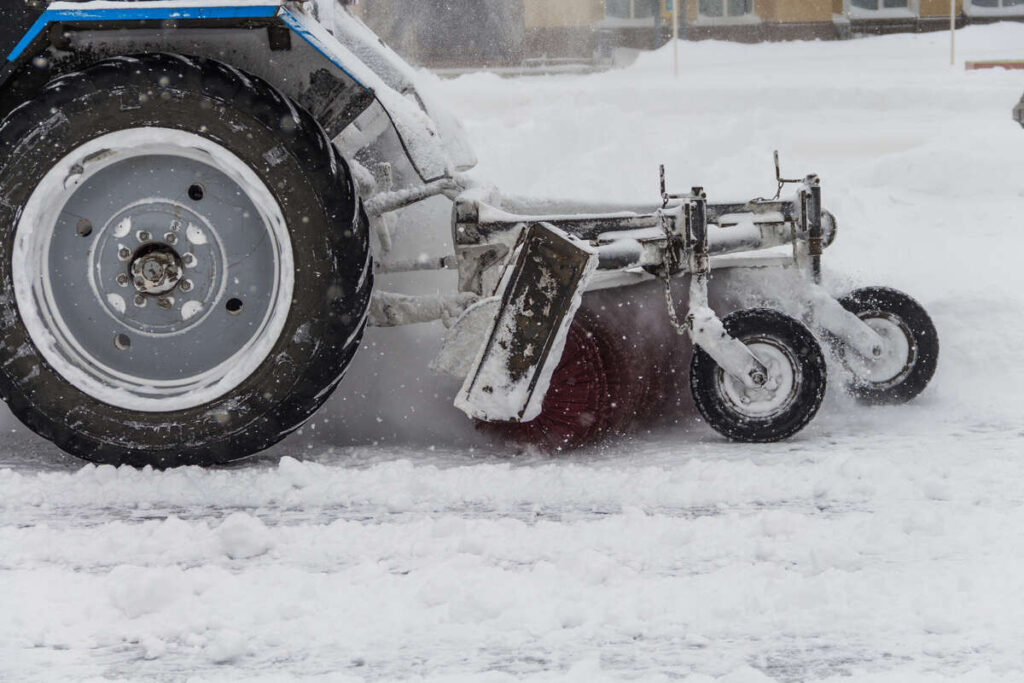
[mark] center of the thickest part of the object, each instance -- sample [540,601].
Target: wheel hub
[164,253]
[156,269]
[773,392]
[894,359]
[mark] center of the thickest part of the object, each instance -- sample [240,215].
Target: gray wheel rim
[153,269]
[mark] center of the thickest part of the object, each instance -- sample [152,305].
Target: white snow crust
[388,541]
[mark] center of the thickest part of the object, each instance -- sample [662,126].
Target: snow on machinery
[190,192]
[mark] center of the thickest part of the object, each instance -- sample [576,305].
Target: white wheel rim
[174,348]
[777,394]
[899,352]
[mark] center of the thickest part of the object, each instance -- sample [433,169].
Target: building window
[630,9]
[880,4]
[719,9]
[883,9]
[997,4]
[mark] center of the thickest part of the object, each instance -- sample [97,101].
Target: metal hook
[782,181]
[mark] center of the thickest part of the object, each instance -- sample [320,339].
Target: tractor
[196,196]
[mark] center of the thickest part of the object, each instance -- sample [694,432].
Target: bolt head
[163,302]
[124,253]
[140,300]
[144,236]
[122,279]
[186,285]
[877,352]
[170,238]
[758,378]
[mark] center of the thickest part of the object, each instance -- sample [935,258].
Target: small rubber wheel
[184,263]
[594,392]
[788,401]
[911,352]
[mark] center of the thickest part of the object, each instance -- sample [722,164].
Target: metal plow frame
[686,237]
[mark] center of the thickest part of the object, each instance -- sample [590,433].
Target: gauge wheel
[786,403]
[184,263]
[910,353]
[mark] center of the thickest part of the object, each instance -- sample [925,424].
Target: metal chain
[668,267]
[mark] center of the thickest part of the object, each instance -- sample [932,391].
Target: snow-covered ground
[387,542]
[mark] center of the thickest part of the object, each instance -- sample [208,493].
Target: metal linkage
[810,209]
[702,324]
[823,310]
[388,309]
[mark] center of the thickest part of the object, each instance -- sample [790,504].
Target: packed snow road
[389,541]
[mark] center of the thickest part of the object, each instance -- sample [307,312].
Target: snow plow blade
[539,298]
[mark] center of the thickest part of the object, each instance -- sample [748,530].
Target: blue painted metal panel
[296,26]
[140,14]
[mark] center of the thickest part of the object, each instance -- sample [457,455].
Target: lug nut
[140,300]
[186,285]
[122,279]
[124,253]
[758,378]
[189,260]
[170,238]
[144,236]
[164,302]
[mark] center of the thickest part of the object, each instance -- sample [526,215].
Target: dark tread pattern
[747,324]
[863,303]
[240,112]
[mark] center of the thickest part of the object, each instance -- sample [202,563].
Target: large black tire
[310,183]
[771,417]
[890,309]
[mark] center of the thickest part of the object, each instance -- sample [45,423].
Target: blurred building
[443,33]
[511,32]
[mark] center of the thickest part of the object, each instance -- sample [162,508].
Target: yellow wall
[795,11]
[559,13]
[938,8]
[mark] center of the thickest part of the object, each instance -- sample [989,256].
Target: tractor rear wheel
[184,263]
